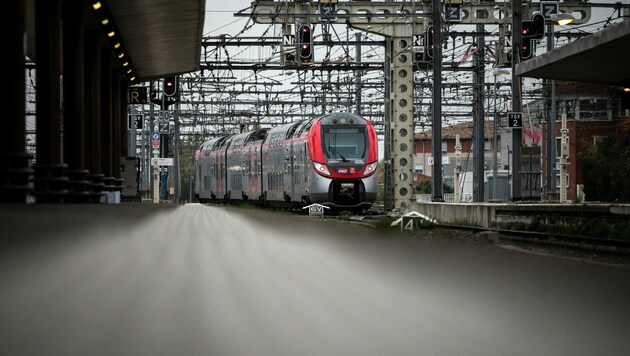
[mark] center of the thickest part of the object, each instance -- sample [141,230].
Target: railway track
[603,250]
[586,243]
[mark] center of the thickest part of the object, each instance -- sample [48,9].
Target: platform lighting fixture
[562,18]
[103,15]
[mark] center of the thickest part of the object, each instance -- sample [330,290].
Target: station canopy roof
[603,57]
[163,37]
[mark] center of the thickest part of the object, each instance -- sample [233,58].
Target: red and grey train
[330,160]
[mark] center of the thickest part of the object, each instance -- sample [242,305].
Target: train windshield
[344,143]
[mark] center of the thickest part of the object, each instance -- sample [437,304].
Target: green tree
[606,169]
[425,188]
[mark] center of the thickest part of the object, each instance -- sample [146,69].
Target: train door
[223,183]
[247,185]
[199,172]
[255,172]
[289,171]
[210,179]
[244,178]
[265,168]
[220,186]
[300,168]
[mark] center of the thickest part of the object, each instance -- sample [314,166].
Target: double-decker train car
[330,160]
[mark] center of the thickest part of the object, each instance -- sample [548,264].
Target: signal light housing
[428,42]
[170,86]
[305,43]
[526,48]
[533,30]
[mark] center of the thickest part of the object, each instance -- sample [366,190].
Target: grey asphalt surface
[136,279]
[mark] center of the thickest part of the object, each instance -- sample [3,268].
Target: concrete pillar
[15,172]
[74,101]
[106,112]
[73,86]
[50,180]
[93,102]
[48,49]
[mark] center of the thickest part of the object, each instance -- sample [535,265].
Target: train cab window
[344,143]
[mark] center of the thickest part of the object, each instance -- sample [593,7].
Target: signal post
[160,137]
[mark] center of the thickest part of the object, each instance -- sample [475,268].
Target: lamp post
[560,19]
[493,191]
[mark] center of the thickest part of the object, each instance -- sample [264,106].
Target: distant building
[423,158]
[593,112]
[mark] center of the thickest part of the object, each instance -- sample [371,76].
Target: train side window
[293,129]
[307,125]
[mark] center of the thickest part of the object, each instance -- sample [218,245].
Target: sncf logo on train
[344,170]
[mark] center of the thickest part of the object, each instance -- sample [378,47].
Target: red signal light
[170,86]
[305,41]
[428,42]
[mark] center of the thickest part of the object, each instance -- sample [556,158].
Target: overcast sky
[220,17]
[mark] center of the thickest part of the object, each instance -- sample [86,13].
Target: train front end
[344,153]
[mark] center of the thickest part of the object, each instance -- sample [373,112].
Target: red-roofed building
[423,151]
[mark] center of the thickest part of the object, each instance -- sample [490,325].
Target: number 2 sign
[515,120]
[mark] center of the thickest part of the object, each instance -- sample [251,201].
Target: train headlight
[369,169]
[321,169]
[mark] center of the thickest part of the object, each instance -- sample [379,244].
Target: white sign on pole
[166,161]
[445,160]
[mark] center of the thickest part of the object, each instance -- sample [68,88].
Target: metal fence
[448,198]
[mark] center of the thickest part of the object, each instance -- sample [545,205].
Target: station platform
[167,279]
